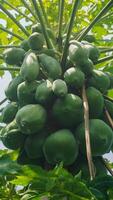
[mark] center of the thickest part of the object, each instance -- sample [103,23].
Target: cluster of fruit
[45,116]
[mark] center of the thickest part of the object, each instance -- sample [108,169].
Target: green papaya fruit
[36,41]
[68,111]
[30,67]
[26,92]
[101,137]
[59,88]
[95,101]
[90,38]
[74,77]
[93,52]
[33,145]
[51,66]
[87,67]
[11,90]
[110,75]
[13,139]
[14,55]
[77,51]
[60,146]
[44,93]
[48,52]
[31,118]
[99,80]
[9,112]
[25,45]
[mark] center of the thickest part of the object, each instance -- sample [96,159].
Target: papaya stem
[106,50]
[28,7]
[14,20]
[109,117]
[65,50]
[87,134]
[61,10]
[107,166]
[11,33]
[107,58]
[4,100]
[10,68]
[8,46]
[18,11]
[44,13]
[96,19]
[37,10]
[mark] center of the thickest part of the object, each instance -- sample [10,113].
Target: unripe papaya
[93,52]
[90,38]
[59,88]
[33,145]
[36,41]
[95,101]
[68,111]
[25,45]
[9,112]
[101,137]
[26,92]
[61,146]
[99,80]
[87,67]
[51,66]
[110,75]
[14,56]
[77,52]
[44,92]
[31,118]
[11,90]
[74,77]
[30,67]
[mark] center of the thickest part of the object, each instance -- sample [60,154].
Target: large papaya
[44,92]
[59,88]
[9,112]
[51,66]
[36,41]
[99,80]
[11,90]
[60,146]
[74,77]
[68,111]
[95,97]
[26,92]
[101,136]
[31,118]
[30,67]
[14,56]
[33,145]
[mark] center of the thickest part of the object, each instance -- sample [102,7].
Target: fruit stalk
[107,58]
[7,46]
[44,13]
[18,11]
[109,117]
[14,20]
[96,19]
[10,68]
[30,10]
[11,33]
[106,50]
[4,100]
[61,10]
[48,41]
[87,134]
[65,50]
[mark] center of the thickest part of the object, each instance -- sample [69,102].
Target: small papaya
[36,41]
[76,52]
[90,38]
[30,67]
[95,97]
[68,111]
[44,93]
[93,52]
[9,112]
[26,92]
[60,146]
[31,118]
[50,65]
[33,145]
[11,90]
[14,55]
[101,137]
[59,88]
[74,77]
[99,80]
[25,45]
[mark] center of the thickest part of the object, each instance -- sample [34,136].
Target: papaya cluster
[45,116]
